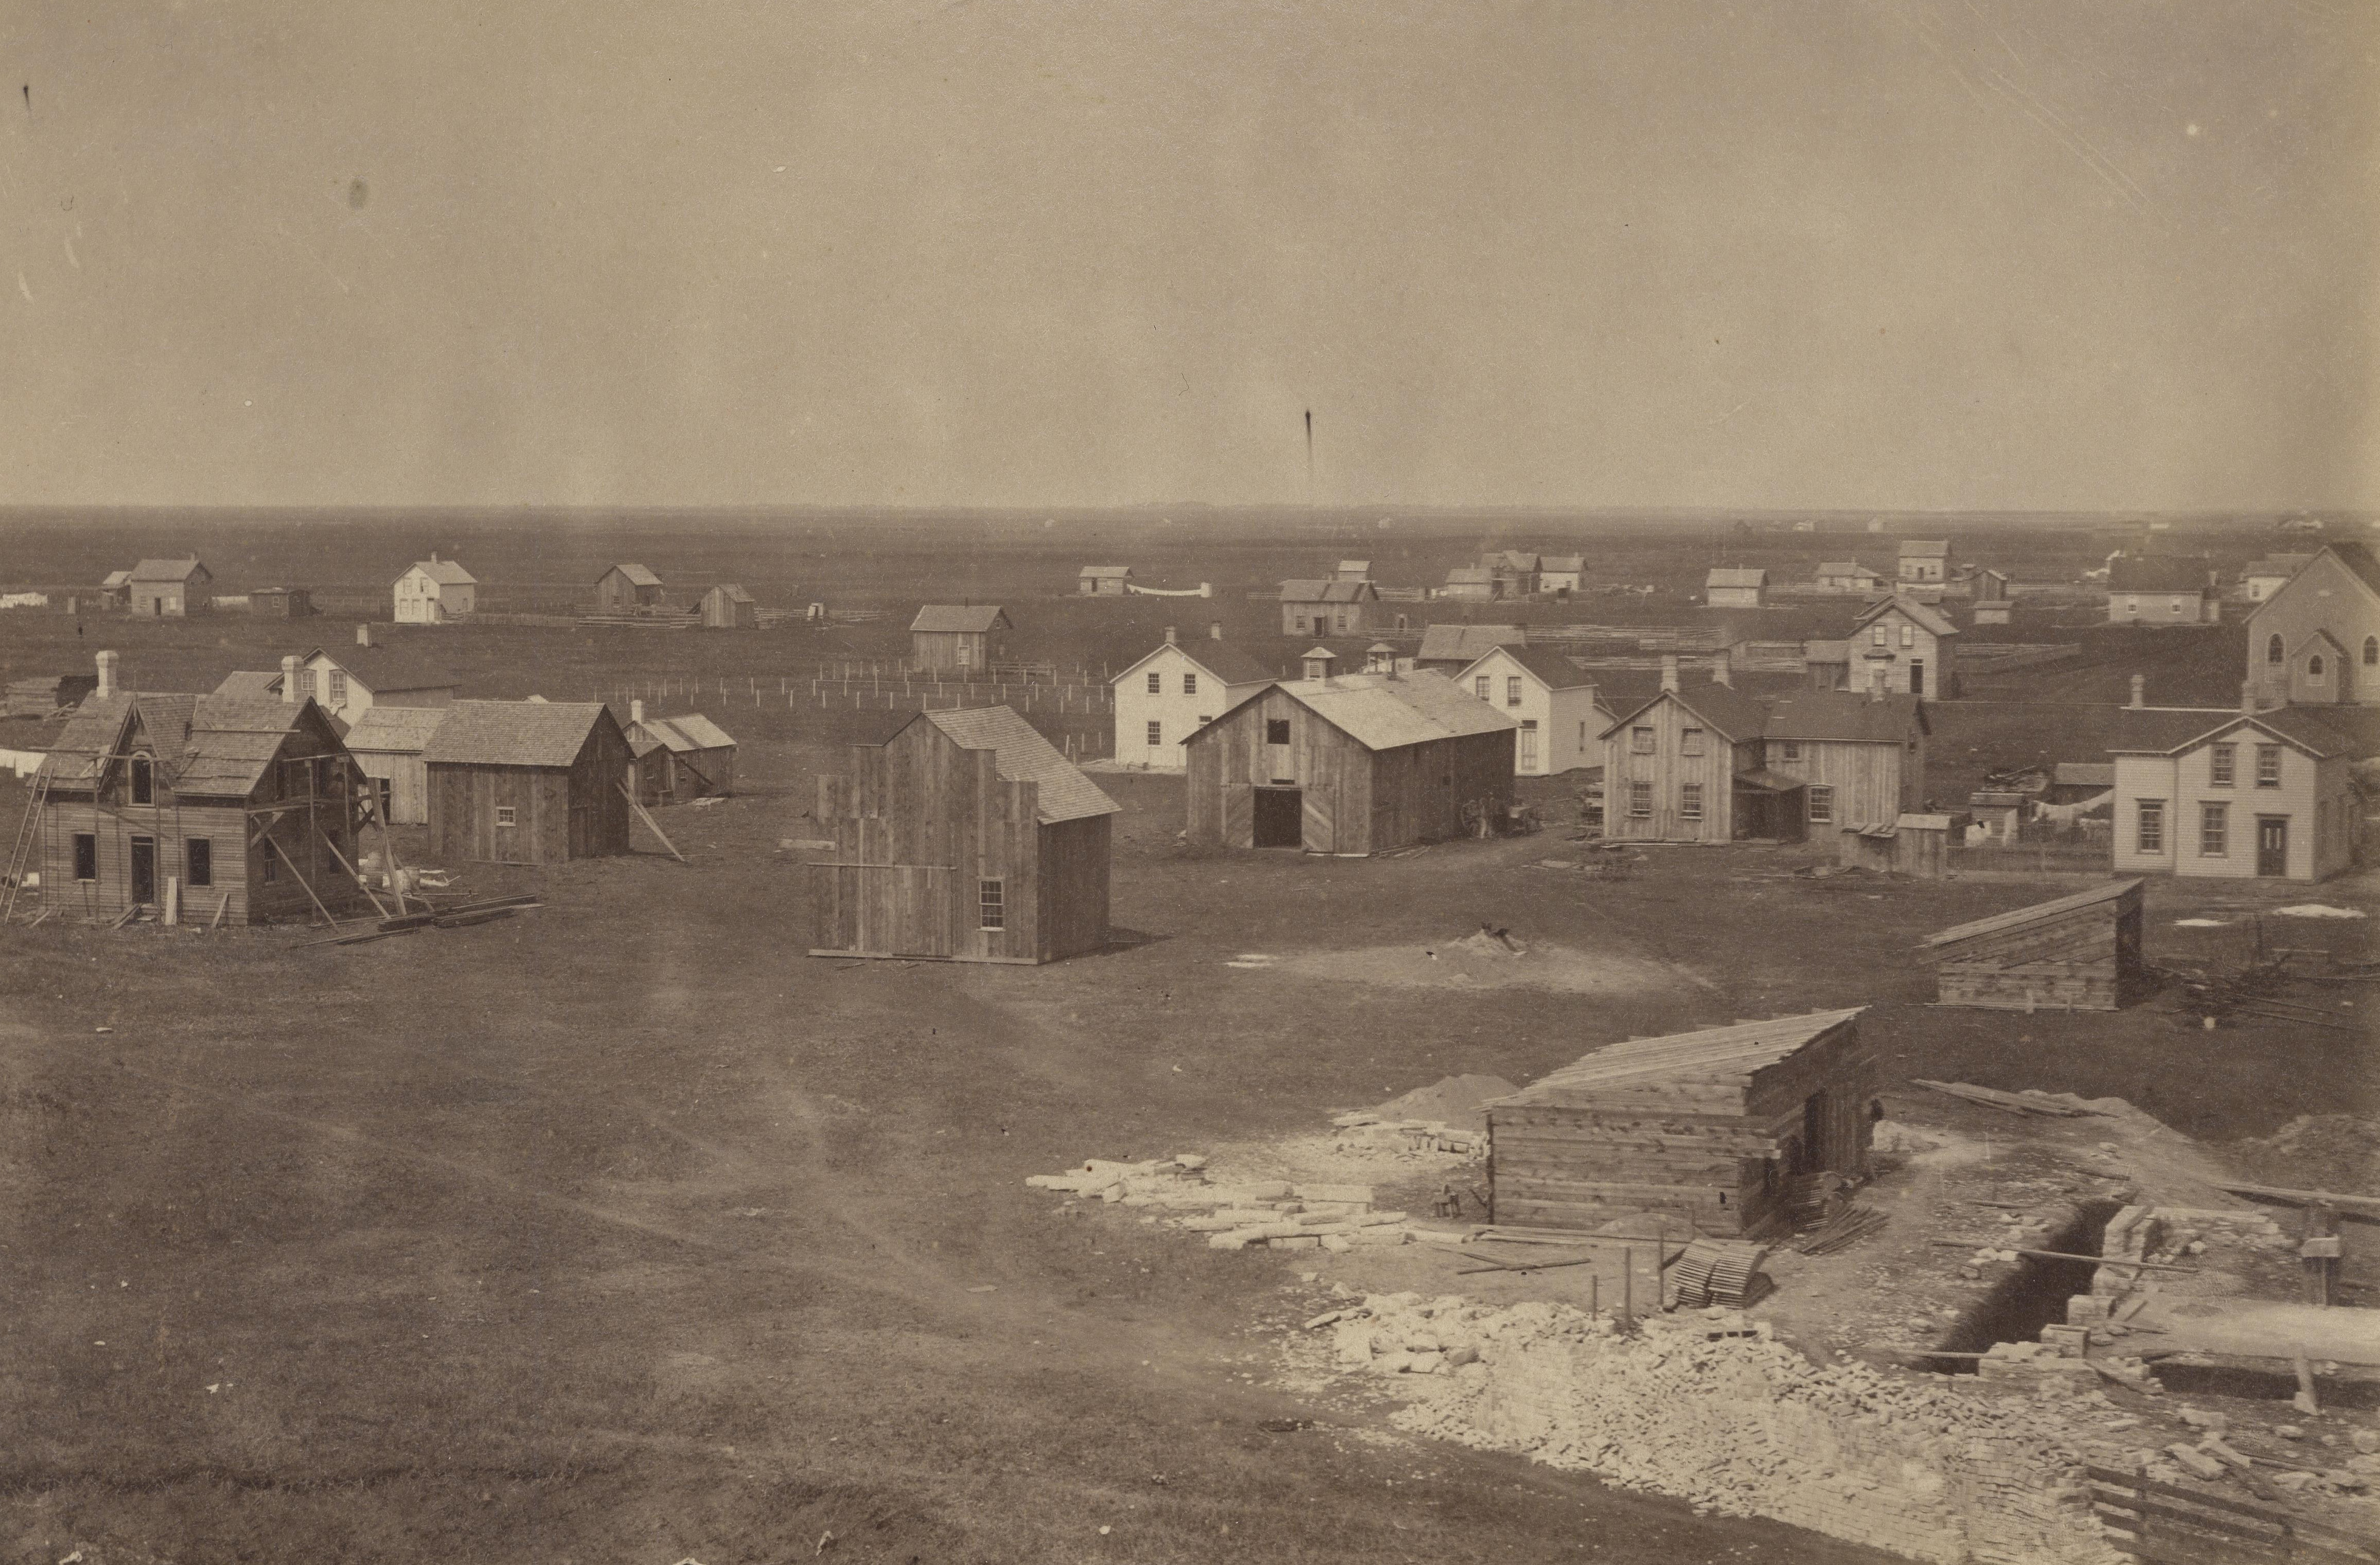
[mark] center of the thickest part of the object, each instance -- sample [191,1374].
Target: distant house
[729,607]
[2251,795]
[1475,583]
[1860,754]
[1106,581]
[116,592]
[389,745]
[958,638]
[1179,688]
[1688,766]
[1910,648]
[527,782]
[1985,585]
[1451,649]
[1514,571]
[964,837]
[2315,641]
[280,602]
[1352,570]
[2162,589]
[1924,561]
[1328,608]
[247,806]
[435,592]
[681,759]
[1349,764]
[1848,575]
[1728,588]
[348,682]
[168,589]
[2078,952]
[1554,701]
[2259,580]
[626,587]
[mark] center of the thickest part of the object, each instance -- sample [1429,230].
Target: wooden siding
[408,784]
[1668,769]
[558,814]
[1892,659]
[2185,783]
[2088,959]
[1875,784]
[1072,885]
[956,649]
[1320,620]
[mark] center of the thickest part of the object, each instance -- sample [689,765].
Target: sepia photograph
[1120,782]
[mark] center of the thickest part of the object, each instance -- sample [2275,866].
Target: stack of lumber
[1719,1271]
[1845,1230]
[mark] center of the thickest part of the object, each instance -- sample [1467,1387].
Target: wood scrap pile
[1847,1227]
[1720,1272]
[1813,1199]
[2027,1102]
[462,917]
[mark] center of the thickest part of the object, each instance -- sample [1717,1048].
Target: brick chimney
[2140,691]
[1669,671]
[363,636]
[289,669]
[107,675]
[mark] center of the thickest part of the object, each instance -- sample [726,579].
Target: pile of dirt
[1455,1100]
[2338,1152]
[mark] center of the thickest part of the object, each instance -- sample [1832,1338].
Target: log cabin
[2078,952]
[242,811]
[527,782]
[964,837]
[1704,1128]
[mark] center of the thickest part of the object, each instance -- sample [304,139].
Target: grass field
[620,1231]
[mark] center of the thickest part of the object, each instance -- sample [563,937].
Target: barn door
[1316,831]
[1239,815]
[1279,818]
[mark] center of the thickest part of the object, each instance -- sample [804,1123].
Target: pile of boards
[1719,1271]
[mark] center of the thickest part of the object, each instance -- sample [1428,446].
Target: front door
[2273,844]
[144,870]
[1916,677]
[1280,818]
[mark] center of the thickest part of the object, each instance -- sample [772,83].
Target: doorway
[1916,677]
[1280,818]
[2273,845]
[144,870]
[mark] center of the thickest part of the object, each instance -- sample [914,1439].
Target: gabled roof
[732,592]
[1847,716]
[1470,575]
[1228,662]
[383,668]
[1388,712]
[1713,1053]
[683,733]
[1116,572]
[1846,567]
[1925,548]
[2302,727]
[395,730]
[638,575]
[1510,560]
[963,618]
[2157,573]
[1021,755]
[2017,918]
[1314,592]
[446,573]
[1723,708]
[211,746]
[117,579]
[543,734]
[166,570]
[2360,563]
[251,685]
[1464,643]
[1735,575]
[1551,669]
[1564,564]
[1355,564]
[1925,615]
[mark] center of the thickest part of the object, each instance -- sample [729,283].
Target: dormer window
[144,781]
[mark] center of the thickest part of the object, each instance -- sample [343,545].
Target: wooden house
[1827,665]
[280,602]
[389,745]
[680,759]
[1451,649]
[1552,699]
[1904,647]
[435,592]
[1328,608]
[168,589]
[527,782]
[1861,758]
[2080,953]
[241,810]
[964,837]
[627,588]
[1176,689]
[1702,1130]
[1924,561]
[1726,586]
[1513,572]
[1848,575]
[958,638]
[1104,581]
[1689,766]
[2316,641]
[116,592]
[2259,580]
[1471,583]
[2162,589]
[348,682]
[729,607]
[2266,794]
[1561,574]
[1351,764]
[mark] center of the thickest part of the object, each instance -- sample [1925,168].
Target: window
[1512,691]
[2150,832]
[1189,685]
[1205,720]
[2132,607]
[2222,763]
[144,783]
[1639,798]
[1300,624]
[1529,744]
[2372,651]
[2314,666]
[991,902]
[1157,684]
[1156,734]
[85,849]
[198,861]
[1479,687]
[272,862]
[1793,749]
[504,815]
[2272,653]
[1640,741]
[338,687]
[1276,731]
[2214,831]
[1690,800]
[1822,805]
[966,657]
[2176,606]
[1581,737]
[1909,636]
[1876,636]
[2268,766]
[1689,740]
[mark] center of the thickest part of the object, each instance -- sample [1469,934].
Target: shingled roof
[1465,643]
[395,730]
[1318,592]
[1021,755]
[1845,715]
[1715,1054]
[166,570]
[966,619]
[2157,573]
[1389,712]
[1228,661]
[1724,708]
[1736,576]
[1551,669]
[211,746]
[683,734]
[540,734]
[638,575]
[446,573]
[1924,614]
[383,668]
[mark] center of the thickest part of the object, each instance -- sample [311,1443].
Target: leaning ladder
[29,833]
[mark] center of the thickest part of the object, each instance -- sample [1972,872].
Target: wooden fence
[863,693]
[2167,1524]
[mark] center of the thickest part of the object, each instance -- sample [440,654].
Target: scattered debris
[2027,1102]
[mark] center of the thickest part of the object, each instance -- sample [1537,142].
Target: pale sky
[1950,254]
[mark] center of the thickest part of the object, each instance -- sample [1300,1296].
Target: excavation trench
[2031,1295]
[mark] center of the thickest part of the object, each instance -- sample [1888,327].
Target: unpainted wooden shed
[2080,953]
[527,782]
[1701,1128]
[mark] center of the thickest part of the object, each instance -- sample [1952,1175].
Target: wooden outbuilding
[280,602]
[626,587]
[1104,581]
[1328,608]
[964,837]
[116,592]
[1704,1128]
[958,638]
[527,782]
[1730,586]
[389,744]
[169,589]
[680,759]
[729,607]
[241,810]
[1349,764]
[2080,953]
[1911,843]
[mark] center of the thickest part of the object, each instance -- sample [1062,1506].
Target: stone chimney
[636,714]
[1317,665]
[289,671]
[2140,691]
[107,675]
[1669,671]
[363,636]
[1171,639]
[1214,630]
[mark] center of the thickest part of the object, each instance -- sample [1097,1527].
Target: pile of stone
[1411,1136]
[2212,1456]
[1274,1214]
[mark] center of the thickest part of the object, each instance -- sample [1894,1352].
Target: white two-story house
[2263,794]
[434,591]
[1180,687]
[1554,701]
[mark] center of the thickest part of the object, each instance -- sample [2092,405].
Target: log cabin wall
[2081,959]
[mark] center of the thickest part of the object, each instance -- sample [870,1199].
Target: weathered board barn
[958,638]
[388,744]
[680,759]
[1352,764]
[280,602]
[249,808]
[964,837]
[2080,953]
[628,587]
[527,782]
[729,607]
[1706,1127]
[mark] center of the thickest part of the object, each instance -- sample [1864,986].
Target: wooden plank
[2363,1206]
